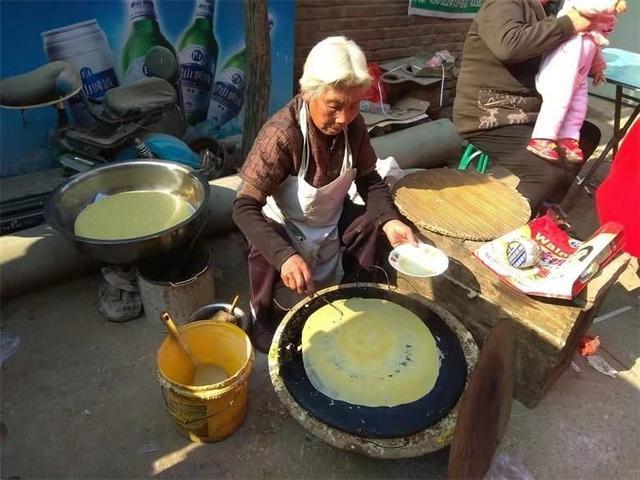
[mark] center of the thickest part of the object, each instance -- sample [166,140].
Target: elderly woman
[496,102]
[303,232]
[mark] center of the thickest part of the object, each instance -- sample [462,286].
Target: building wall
[382,28]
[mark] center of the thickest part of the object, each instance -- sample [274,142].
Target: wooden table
[547,331]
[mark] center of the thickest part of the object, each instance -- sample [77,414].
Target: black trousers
[540,180]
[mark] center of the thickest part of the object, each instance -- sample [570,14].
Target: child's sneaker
[571,150]
[544,148]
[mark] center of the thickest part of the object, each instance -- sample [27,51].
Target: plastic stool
[469,154]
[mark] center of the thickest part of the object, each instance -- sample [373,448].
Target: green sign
[445,8]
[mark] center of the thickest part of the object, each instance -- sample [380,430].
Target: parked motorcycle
[139,120]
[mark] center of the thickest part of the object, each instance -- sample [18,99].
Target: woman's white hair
[334,62]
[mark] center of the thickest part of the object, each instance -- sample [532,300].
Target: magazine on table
[540,259]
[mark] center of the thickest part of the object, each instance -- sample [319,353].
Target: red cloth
[376,92]
[618,198]
[588,345]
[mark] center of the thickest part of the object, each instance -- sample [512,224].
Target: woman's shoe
[571,150]
[544,148]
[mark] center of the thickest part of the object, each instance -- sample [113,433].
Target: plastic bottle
[144,34]
[198,57]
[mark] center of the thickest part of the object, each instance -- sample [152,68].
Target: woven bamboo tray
[461,204]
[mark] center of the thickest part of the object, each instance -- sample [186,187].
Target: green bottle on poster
[228,91]
[198,55]
[144,34]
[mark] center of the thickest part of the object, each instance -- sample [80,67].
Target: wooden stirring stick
[233,304]
[175,333]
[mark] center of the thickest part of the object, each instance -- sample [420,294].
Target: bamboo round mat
[461,204]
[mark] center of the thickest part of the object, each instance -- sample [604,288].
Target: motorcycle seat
[46,85]
[137,100]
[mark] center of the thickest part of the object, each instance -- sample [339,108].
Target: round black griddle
[374,422]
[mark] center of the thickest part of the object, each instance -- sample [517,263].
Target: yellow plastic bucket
[206,413]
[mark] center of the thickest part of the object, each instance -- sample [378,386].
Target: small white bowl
[420,260]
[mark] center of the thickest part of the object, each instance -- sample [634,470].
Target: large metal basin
[68,200]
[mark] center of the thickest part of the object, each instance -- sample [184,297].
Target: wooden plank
[258,51]
[552,319]
[607,276]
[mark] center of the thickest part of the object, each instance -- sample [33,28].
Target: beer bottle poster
[106,41]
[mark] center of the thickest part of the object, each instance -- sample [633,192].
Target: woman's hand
[296,274]
[398,233]
[621,6]
[598,78]
[580,22]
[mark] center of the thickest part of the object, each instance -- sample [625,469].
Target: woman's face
[335,108]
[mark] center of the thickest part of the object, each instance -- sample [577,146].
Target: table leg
[616,117]
[584,181]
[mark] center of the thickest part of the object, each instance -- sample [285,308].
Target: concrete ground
[80,399]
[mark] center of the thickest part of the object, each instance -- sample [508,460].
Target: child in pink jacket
[562,82]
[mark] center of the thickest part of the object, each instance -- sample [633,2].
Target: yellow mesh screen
[131,215]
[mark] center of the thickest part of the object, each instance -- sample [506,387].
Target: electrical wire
[442,85]
[384,112]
